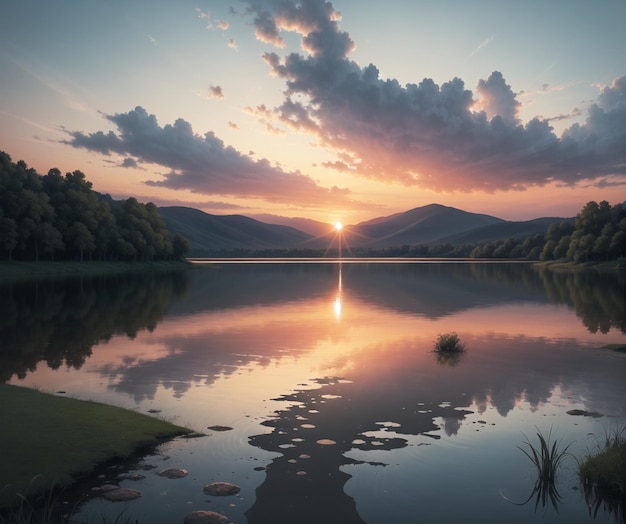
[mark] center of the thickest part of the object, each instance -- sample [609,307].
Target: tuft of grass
[119,519]
[56,438]
[36,504]
[603,474]
[448,343]
[547,458]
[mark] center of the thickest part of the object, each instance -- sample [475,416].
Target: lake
[340,409]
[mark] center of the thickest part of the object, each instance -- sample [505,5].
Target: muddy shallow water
[339,408]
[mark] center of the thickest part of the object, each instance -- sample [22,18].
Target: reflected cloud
[344,384]
[394,383]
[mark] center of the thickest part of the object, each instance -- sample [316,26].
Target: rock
[122,494]
[173,473]
[220,428]
[583,413]
[205,517]
[221,489]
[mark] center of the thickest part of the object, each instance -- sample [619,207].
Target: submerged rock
[173,473]
[205,517]
[221,489]
[121,494]
[217,427]
[583,413]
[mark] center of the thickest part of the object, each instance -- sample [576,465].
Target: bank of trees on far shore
[60,217]
[597,234]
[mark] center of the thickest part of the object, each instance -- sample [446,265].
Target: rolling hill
[207,232]
[433,224]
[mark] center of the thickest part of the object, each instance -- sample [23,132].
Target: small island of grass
[57,438]
[603,474]
[449,343]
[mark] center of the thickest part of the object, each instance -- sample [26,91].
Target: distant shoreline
[17,269]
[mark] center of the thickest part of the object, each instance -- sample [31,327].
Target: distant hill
[433,224]
[422,225]
[207,232]
[312,227]
[503,230]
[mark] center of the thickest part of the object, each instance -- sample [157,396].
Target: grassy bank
[58,437]
[15,270]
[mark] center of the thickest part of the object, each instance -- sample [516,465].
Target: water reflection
[345,352]
[59,321]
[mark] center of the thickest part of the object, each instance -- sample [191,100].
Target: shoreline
[17,269]
[54,439]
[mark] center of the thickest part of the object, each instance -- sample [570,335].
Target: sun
[338,226]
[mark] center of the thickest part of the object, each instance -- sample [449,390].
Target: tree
[561,249]
[8,235]
[47,239]
[548,250]
[81,239]
[180,246]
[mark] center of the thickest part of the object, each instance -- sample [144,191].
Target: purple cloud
[435,136]
[202,164]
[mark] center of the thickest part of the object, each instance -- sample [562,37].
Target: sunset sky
[346,111]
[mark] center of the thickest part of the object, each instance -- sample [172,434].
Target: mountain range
[432,224]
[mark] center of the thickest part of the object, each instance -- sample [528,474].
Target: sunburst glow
[338,226]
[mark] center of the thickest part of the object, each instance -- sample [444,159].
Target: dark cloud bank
[442,137]
[201,163]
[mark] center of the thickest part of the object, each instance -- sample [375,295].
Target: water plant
[603,474]
[448,343]
[547,458]
[36,505]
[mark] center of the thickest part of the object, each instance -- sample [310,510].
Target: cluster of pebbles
[117,493]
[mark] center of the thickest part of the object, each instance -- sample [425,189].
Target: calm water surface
[341,412]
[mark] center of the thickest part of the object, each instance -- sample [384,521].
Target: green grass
[52,438]
[603,473]
[14,270]
[448,343]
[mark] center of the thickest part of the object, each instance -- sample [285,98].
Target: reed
[547,458]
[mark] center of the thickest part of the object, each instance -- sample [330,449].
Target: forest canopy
[60,217]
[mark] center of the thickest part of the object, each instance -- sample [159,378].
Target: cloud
[497,98]
[443,137]
[574,113]
[203,14]
[129,162]
[232,44]
[482,45]
[202,164]
[216,92]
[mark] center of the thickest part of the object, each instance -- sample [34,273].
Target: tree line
[60,217]
[598,233]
